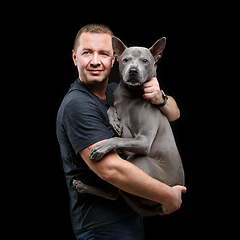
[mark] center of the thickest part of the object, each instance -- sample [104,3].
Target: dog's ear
[118,46]
[157,48]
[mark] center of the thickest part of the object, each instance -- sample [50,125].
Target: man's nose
[95,61]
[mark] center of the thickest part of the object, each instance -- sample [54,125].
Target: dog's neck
[130,91]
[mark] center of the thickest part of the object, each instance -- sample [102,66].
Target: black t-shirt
[81,121]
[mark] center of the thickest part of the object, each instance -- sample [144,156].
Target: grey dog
[147,137]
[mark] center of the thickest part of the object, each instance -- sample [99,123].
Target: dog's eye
[125,60]
[145,60]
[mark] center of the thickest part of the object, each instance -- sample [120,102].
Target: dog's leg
[115,121]
[109,192]
[139,144]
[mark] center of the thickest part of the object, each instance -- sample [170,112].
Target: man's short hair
[93,28]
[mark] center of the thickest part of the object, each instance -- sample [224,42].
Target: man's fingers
[147,89]
[184,189]
[146,85]
[151,82]
[148,95]
[161,214]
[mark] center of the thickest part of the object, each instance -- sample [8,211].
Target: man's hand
[152,91]
[175,202]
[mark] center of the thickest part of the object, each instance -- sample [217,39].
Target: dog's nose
[133,71]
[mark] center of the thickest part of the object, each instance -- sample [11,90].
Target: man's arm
[153,92]
[126,176]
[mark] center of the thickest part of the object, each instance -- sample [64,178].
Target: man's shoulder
[79,102]
[76,99]
[78,92]
[78,86]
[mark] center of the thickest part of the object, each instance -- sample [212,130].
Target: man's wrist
[165,100]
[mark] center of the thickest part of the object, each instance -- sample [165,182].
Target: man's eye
[86,53]
[104,54]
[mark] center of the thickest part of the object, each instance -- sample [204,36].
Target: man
[82,122]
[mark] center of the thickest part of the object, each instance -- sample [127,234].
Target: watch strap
[165,100]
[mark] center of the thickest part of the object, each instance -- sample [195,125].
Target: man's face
[94,57]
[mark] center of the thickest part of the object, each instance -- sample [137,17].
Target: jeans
[130,228]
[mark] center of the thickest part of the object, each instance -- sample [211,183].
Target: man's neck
[99,89]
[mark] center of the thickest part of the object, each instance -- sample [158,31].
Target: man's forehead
[95,40]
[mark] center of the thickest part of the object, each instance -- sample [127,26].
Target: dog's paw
[81,187]
[118,127]
[98,151]
[115,121]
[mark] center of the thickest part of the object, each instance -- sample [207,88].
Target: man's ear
[74,57]
[113,60]
[157,48]
[118,46]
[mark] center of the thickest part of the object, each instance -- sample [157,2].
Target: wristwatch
[165,100]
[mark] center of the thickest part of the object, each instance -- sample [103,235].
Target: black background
[181,71]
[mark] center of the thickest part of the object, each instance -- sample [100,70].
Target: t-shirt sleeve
[84,124]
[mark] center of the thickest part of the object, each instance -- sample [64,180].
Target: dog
[147,138]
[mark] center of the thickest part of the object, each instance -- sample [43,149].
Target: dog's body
[146,132]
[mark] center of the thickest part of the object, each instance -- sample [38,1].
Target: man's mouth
[95,71]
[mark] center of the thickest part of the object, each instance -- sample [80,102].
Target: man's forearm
[126,176]
[133,180]
[171,110]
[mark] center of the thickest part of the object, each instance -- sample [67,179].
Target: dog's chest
[131,111]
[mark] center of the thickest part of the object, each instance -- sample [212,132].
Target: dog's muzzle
[133,77]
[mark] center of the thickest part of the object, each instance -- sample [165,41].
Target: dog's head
[137,64]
